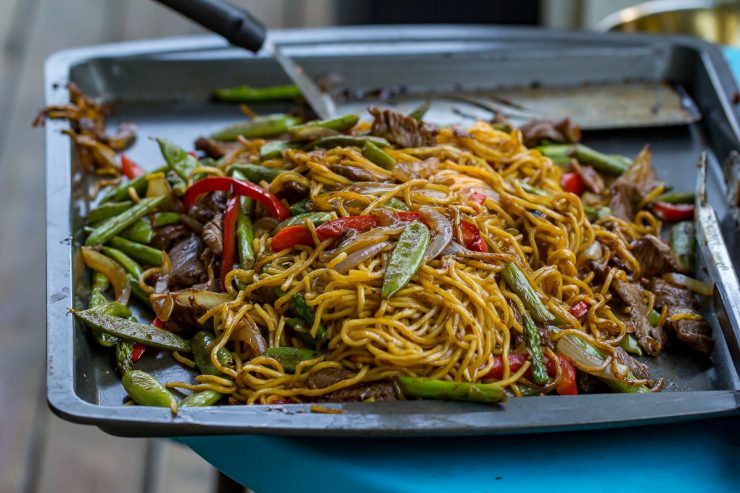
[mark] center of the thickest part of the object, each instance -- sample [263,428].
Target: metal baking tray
[163,87]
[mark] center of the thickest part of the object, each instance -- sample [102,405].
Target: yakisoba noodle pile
[457,314]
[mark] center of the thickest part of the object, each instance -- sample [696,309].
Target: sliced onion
[363,240]
[442,229]
[594,251]
[703,288]
[110,269]
[356,258]
[454,248]
[250,334]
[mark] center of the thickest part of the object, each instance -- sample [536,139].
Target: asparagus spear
[429,388]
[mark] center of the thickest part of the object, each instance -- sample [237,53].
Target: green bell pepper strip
[141,231]
[378,156]
[255,172]
[177,158]
[260,127]
[204,398]
[289,357]
[107,210]
[429,388]
[683,244]
[316,218]
[165,219]
[346,141]
[603,163]
[146,390]
[120,192]
[406,258]
[532,340]
[115,225]
[249,94]
[518,283]
[123,328]
[141,253]
[201,345]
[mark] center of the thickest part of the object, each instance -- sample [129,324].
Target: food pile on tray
[293,260]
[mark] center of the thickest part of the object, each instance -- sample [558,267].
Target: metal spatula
[241,29]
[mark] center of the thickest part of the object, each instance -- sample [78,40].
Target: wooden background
[38,451]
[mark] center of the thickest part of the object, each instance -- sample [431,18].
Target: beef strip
[165,236]
[213,234]
[559,132]
[632,187]
[292,191]
[379,391]
[402,130]
[214,148]
[205,208]
[639,370]
[356,173]
[696,334]
[186,266]
[591,178]
[654,256]
[326,377]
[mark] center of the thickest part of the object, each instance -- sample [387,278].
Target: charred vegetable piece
[406,258]
[347,141]
[115,225]
[132,331]
[204,398]
[683,244]
[107,210]
[315,217]
[289,357]
[261,127]
[517,282]
[111,269]
[429,388]
[532,339]
[273,204]
[120,192]
[201,344]
[141,231]
[378,156]
[249,94]
[142,253]
[178,159]
[255,172]
[146,390]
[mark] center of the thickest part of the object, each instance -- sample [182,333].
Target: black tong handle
[221,17]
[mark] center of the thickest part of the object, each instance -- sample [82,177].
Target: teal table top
[691,456]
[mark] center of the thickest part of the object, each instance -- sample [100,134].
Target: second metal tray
[163,87]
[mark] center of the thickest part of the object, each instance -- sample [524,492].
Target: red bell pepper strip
[579,310]
[337,227]
[130,168]
[227,259]
[472,238]
[674,212]
[573,183]
[478,198]
[137,352]
[221,183]
[291,236]
[566,385]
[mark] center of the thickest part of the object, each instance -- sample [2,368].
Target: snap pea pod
[629,343]
[378,156]
[107,210]
[346,141]
[249,94]
[315,217]
[260,127]
[124,356]
[255,172]
[165,219]
[100,284]
[299,207]
[204,398]
[139,184]
[142,253]
[394,203]
[316,129]
[132,331]
[129,265]
[274,149]
[298,325]
[677,198]
[406,258]
[140,232]
[683,244]
[604,163]
[146,390]
[289,357]
[421,110]
[517,282]
[532,340]
[177,158]
[115,225]
[201,344]
[430,388]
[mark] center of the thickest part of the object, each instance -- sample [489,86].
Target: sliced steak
[591,178]
[633,186]
[165,236]
[186,266]
[639,370]
[380,391]
[326,377]
[402,130]
[559,132]
[654,256]
[650,338]
[206,207]
[214,148]
[696,334]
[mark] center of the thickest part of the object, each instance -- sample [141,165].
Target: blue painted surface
[697,456]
